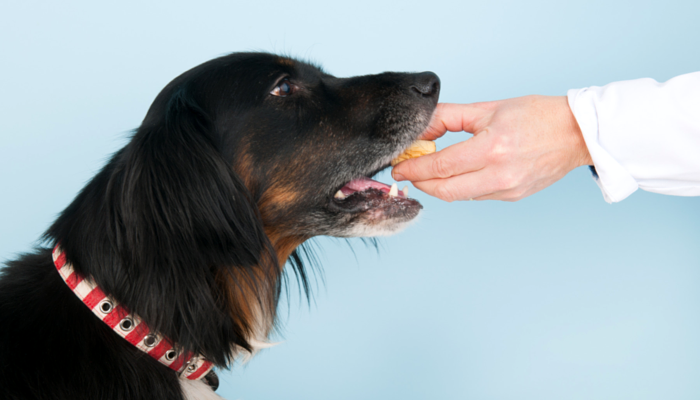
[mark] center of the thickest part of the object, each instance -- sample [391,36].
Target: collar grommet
[106,306]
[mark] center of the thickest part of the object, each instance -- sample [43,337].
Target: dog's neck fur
[140,242]
[284,245]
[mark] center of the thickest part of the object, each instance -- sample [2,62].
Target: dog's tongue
[362,184]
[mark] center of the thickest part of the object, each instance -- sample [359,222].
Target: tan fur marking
[285,61]
[276,200]
[251,294]
[243,166]
[284,246]
[280,196]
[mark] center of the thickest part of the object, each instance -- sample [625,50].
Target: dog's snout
[426,84]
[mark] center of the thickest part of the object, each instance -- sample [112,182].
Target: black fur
[189,225]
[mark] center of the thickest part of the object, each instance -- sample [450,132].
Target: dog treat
[417,149]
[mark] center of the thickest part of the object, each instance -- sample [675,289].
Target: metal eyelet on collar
[106,306]
[192,367]
[127,324]
[170,355]
[150,340]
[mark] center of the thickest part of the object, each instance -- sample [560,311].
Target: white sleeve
[642,134]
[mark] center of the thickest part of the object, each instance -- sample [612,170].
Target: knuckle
[510,181]
[441,167]
[504,183]
[512,198]
[500,151]
[444,192]
[514,195]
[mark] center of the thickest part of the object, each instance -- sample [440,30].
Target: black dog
[181,239]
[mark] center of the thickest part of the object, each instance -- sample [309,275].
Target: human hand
[520,146]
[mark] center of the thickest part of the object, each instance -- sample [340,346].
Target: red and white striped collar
[130,326]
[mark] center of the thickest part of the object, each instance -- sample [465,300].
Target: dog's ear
[178,237]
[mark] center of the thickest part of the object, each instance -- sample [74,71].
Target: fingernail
[397,176]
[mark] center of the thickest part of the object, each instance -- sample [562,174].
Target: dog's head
[297,136]
[238,162]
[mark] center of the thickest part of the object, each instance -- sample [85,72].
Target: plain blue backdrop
[558,296]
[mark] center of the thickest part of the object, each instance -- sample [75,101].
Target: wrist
[581,155]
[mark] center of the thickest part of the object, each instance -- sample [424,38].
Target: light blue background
[559,296]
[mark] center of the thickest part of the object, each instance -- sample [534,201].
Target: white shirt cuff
[614,180]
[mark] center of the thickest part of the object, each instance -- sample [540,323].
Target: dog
[169,262]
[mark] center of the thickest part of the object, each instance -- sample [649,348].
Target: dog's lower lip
[378,203]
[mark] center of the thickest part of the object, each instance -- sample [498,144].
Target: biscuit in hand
[417,149]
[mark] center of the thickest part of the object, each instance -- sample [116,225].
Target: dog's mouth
[377,201]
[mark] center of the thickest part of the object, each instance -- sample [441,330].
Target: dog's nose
[426,84]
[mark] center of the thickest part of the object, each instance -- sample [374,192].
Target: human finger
[519,190]
[450,117]
[472,185]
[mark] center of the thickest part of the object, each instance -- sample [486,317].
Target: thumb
[450,117]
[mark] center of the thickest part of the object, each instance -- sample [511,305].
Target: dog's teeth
[339,195]
[405,191]
[394,190]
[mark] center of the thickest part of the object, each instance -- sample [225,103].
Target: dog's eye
[285,88]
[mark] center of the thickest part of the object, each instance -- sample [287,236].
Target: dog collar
[130,326]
